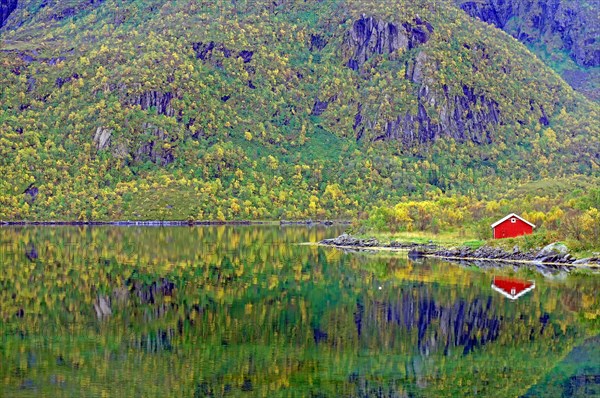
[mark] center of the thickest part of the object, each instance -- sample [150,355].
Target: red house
[511,226]
[511,287]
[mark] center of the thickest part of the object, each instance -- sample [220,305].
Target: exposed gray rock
[370,36]
[551,254]
[415,70]
[553,249]
[348,240]
[31,193]
[160,101]
[153,148]
[319,107]
[595,261]
[413,245]
[582,261]
[246,55]
[467,115]
[102,137]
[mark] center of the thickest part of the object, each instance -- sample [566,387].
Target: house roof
[512,288]
[494,225]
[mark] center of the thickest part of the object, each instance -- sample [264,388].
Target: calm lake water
[250,311]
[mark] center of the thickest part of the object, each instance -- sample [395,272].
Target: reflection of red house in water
[511,226]
[512,288]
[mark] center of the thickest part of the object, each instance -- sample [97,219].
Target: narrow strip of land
[551,255]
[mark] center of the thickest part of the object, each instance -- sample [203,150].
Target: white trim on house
[494,225]
[516,296]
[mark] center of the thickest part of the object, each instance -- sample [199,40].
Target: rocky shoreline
[346,240]
[551,254]
[314,222]
[555,253]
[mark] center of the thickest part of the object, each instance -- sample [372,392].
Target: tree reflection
[223,310]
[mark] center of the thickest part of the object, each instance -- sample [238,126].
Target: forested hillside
[260,109]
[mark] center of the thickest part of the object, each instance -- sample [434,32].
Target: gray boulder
[553,249]
[348,240]
[582,261]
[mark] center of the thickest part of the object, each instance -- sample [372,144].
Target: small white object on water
[380,287]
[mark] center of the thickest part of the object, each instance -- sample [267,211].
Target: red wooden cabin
[511,226]
[511,287]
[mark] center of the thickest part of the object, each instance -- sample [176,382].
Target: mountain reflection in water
[220,311]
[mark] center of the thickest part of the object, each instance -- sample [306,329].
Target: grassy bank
[467,238]
[451,238]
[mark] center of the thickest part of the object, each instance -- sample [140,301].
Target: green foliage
[556,214]
[117,110]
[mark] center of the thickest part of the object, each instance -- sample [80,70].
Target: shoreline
[173,223]
[556,254]
[454,258]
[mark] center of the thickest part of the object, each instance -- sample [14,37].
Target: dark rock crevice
[6,8]
[317,42]
[153,148]
[160,101]
[205,51]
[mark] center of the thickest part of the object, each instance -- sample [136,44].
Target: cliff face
[370,36]
[464,116]
[572,26]
[467,117]
[6,7]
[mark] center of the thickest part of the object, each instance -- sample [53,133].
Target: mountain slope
[256,109]
[567,25]
[553,28]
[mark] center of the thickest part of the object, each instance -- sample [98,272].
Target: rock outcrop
[464,116]
[553,249]
[160,101]
[205,51]
[551,254]
[6,8]
[317,42]
[31,193]
[370,36]
[468,117]
[348,240]
[102,138]
[573,26]
[158,148]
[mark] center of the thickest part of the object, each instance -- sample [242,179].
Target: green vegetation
[562,212]
[125,110]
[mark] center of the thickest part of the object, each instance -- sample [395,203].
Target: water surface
[248,311]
